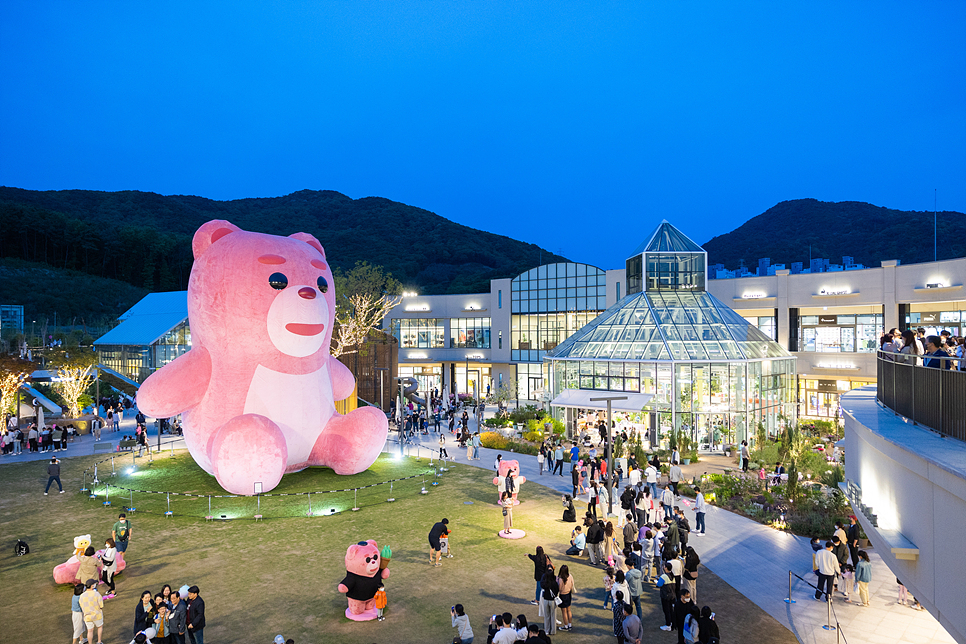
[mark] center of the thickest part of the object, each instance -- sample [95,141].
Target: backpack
[21,548]
[691,629]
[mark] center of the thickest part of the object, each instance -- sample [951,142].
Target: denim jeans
[50,480]
[476,454]
[637,603]
[699,522]
[539,588]
[653,487]
[667,511]
[608,597]
[196,636]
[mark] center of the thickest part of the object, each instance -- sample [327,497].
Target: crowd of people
[943,351]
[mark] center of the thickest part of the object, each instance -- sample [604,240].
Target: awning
[581,398]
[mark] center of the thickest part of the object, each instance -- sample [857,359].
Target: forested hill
[144,238]
[868,233]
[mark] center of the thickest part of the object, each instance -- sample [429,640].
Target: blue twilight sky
[574,125]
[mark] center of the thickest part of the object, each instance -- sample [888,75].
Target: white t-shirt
[634,477]
[651,474]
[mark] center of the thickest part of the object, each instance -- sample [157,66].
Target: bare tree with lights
[14,372]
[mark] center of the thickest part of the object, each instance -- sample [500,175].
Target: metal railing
[930,396]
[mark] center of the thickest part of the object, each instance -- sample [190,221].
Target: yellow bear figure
[81,543]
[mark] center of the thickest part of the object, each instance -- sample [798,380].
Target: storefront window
[935,322]
[766,324]
[469,333]
[841,333]
[419,333]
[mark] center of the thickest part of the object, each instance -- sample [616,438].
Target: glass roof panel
[667,238]
[669,326]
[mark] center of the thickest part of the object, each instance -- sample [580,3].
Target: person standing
[690,573]
[53,474]
[828,568]
[144,612]
[618,609]
[682,609]
[109,561]
[162,625]
[476,446]
[92,605]
[179,618]
[745,456]
[549,590]
[574,455]
[442,446]
[595,537]
[852,539]
[507,502]
[700,509]
[462,624]
[863,575]
[566,584]
[121,533]
[541,457]
[77,614]
[541,562]
[668,596]
[674,476]
[667,502]
[633,629]
[196,616]
[634,577]
[438,530]
[575,480]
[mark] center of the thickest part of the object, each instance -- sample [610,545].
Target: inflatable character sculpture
[508,479]
[365,569]
[66,573]
[257,390]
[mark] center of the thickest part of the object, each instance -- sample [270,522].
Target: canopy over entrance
[581,399]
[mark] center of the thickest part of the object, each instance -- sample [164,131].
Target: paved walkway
[755,560]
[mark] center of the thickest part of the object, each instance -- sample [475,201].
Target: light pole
[610,452]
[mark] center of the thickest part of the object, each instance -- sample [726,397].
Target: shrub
[497,422]
[558,427]
[494,440]
[533,436]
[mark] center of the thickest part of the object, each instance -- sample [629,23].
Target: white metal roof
[581,398]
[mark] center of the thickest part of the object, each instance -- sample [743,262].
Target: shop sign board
[828,386]
[828,320]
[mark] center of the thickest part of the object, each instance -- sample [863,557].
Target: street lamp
[610,451]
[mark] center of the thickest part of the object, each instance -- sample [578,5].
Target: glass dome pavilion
[713,375]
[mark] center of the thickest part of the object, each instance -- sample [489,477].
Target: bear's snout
[307,293]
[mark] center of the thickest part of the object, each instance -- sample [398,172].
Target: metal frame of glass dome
[712,373]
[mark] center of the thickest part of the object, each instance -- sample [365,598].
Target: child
[381,601]
[608,585]
[903,593]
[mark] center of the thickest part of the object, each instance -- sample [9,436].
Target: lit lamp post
[608,446]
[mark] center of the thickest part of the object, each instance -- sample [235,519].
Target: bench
[103,447]
[124,446]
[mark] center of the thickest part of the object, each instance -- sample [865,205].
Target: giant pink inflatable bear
[257,389]
[513,469]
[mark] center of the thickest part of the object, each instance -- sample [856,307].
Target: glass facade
[419,333]
[819,398]
[712,373]
[856,333]
[767,324]
[551,302]
[469,333]
[936,321]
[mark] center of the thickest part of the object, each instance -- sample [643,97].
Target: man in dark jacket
[53,474]
[682,608]
[179,618]
[595,537]
[196,616]
[852,535]
[684,528]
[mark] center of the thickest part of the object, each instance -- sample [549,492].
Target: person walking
[541,562]
[674,477]
[53,474]
[558,456]
[92,605]
[121,532]
[745,456]
[566,584]
[863,575]
[549,590]
[196,616]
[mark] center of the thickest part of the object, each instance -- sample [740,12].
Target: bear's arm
[343,382]
[176,387]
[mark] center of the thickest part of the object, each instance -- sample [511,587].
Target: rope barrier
[840,636]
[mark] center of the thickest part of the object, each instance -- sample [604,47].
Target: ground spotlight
[130,470]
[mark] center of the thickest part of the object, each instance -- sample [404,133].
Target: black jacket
[539,566]
[841,553]
[595,534]
[196,613]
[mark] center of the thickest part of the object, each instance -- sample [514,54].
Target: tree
[506,392]
[366,293]
[14,372]
[74,372]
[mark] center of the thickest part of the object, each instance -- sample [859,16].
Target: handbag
[557,600]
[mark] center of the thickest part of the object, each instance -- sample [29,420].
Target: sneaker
[535,603]
[665,628]
[61,491]
[559,622]
[451,556]
[109,596]
[45,494]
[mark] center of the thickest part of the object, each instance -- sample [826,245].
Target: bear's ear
[209,233]
[311,241]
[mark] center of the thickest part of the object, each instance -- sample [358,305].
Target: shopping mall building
[824,325]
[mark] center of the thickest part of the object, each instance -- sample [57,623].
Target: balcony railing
[931,397]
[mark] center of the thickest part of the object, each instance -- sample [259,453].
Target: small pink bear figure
[363,577]
[257,390]
[513,469]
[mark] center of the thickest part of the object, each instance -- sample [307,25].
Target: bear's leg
[245,450]
[350,444]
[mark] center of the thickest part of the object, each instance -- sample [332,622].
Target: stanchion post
[391,497]
[113,471]
[789,600]
[310,504]
[355,497]
[828,600]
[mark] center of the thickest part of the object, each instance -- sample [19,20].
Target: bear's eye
[323,285]
[278,281]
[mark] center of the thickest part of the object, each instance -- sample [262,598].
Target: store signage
[926,318]
[834,291]
[752,296]
[936,285]
[474,356]
[428,371]
[418,307]
[828,320]
[828,386]
[825,365]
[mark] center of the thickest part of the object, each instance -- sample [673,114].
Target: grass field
[280,575]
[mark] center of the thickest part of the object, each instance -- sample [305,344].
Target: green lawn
[280,575]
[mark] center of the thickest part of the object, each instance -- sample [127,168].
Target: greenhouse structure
[714,376]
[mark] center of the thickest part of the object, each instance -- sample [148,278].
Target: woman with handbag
[690,574]
[507,502]
[109,561]
[549,600]
[566,583]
